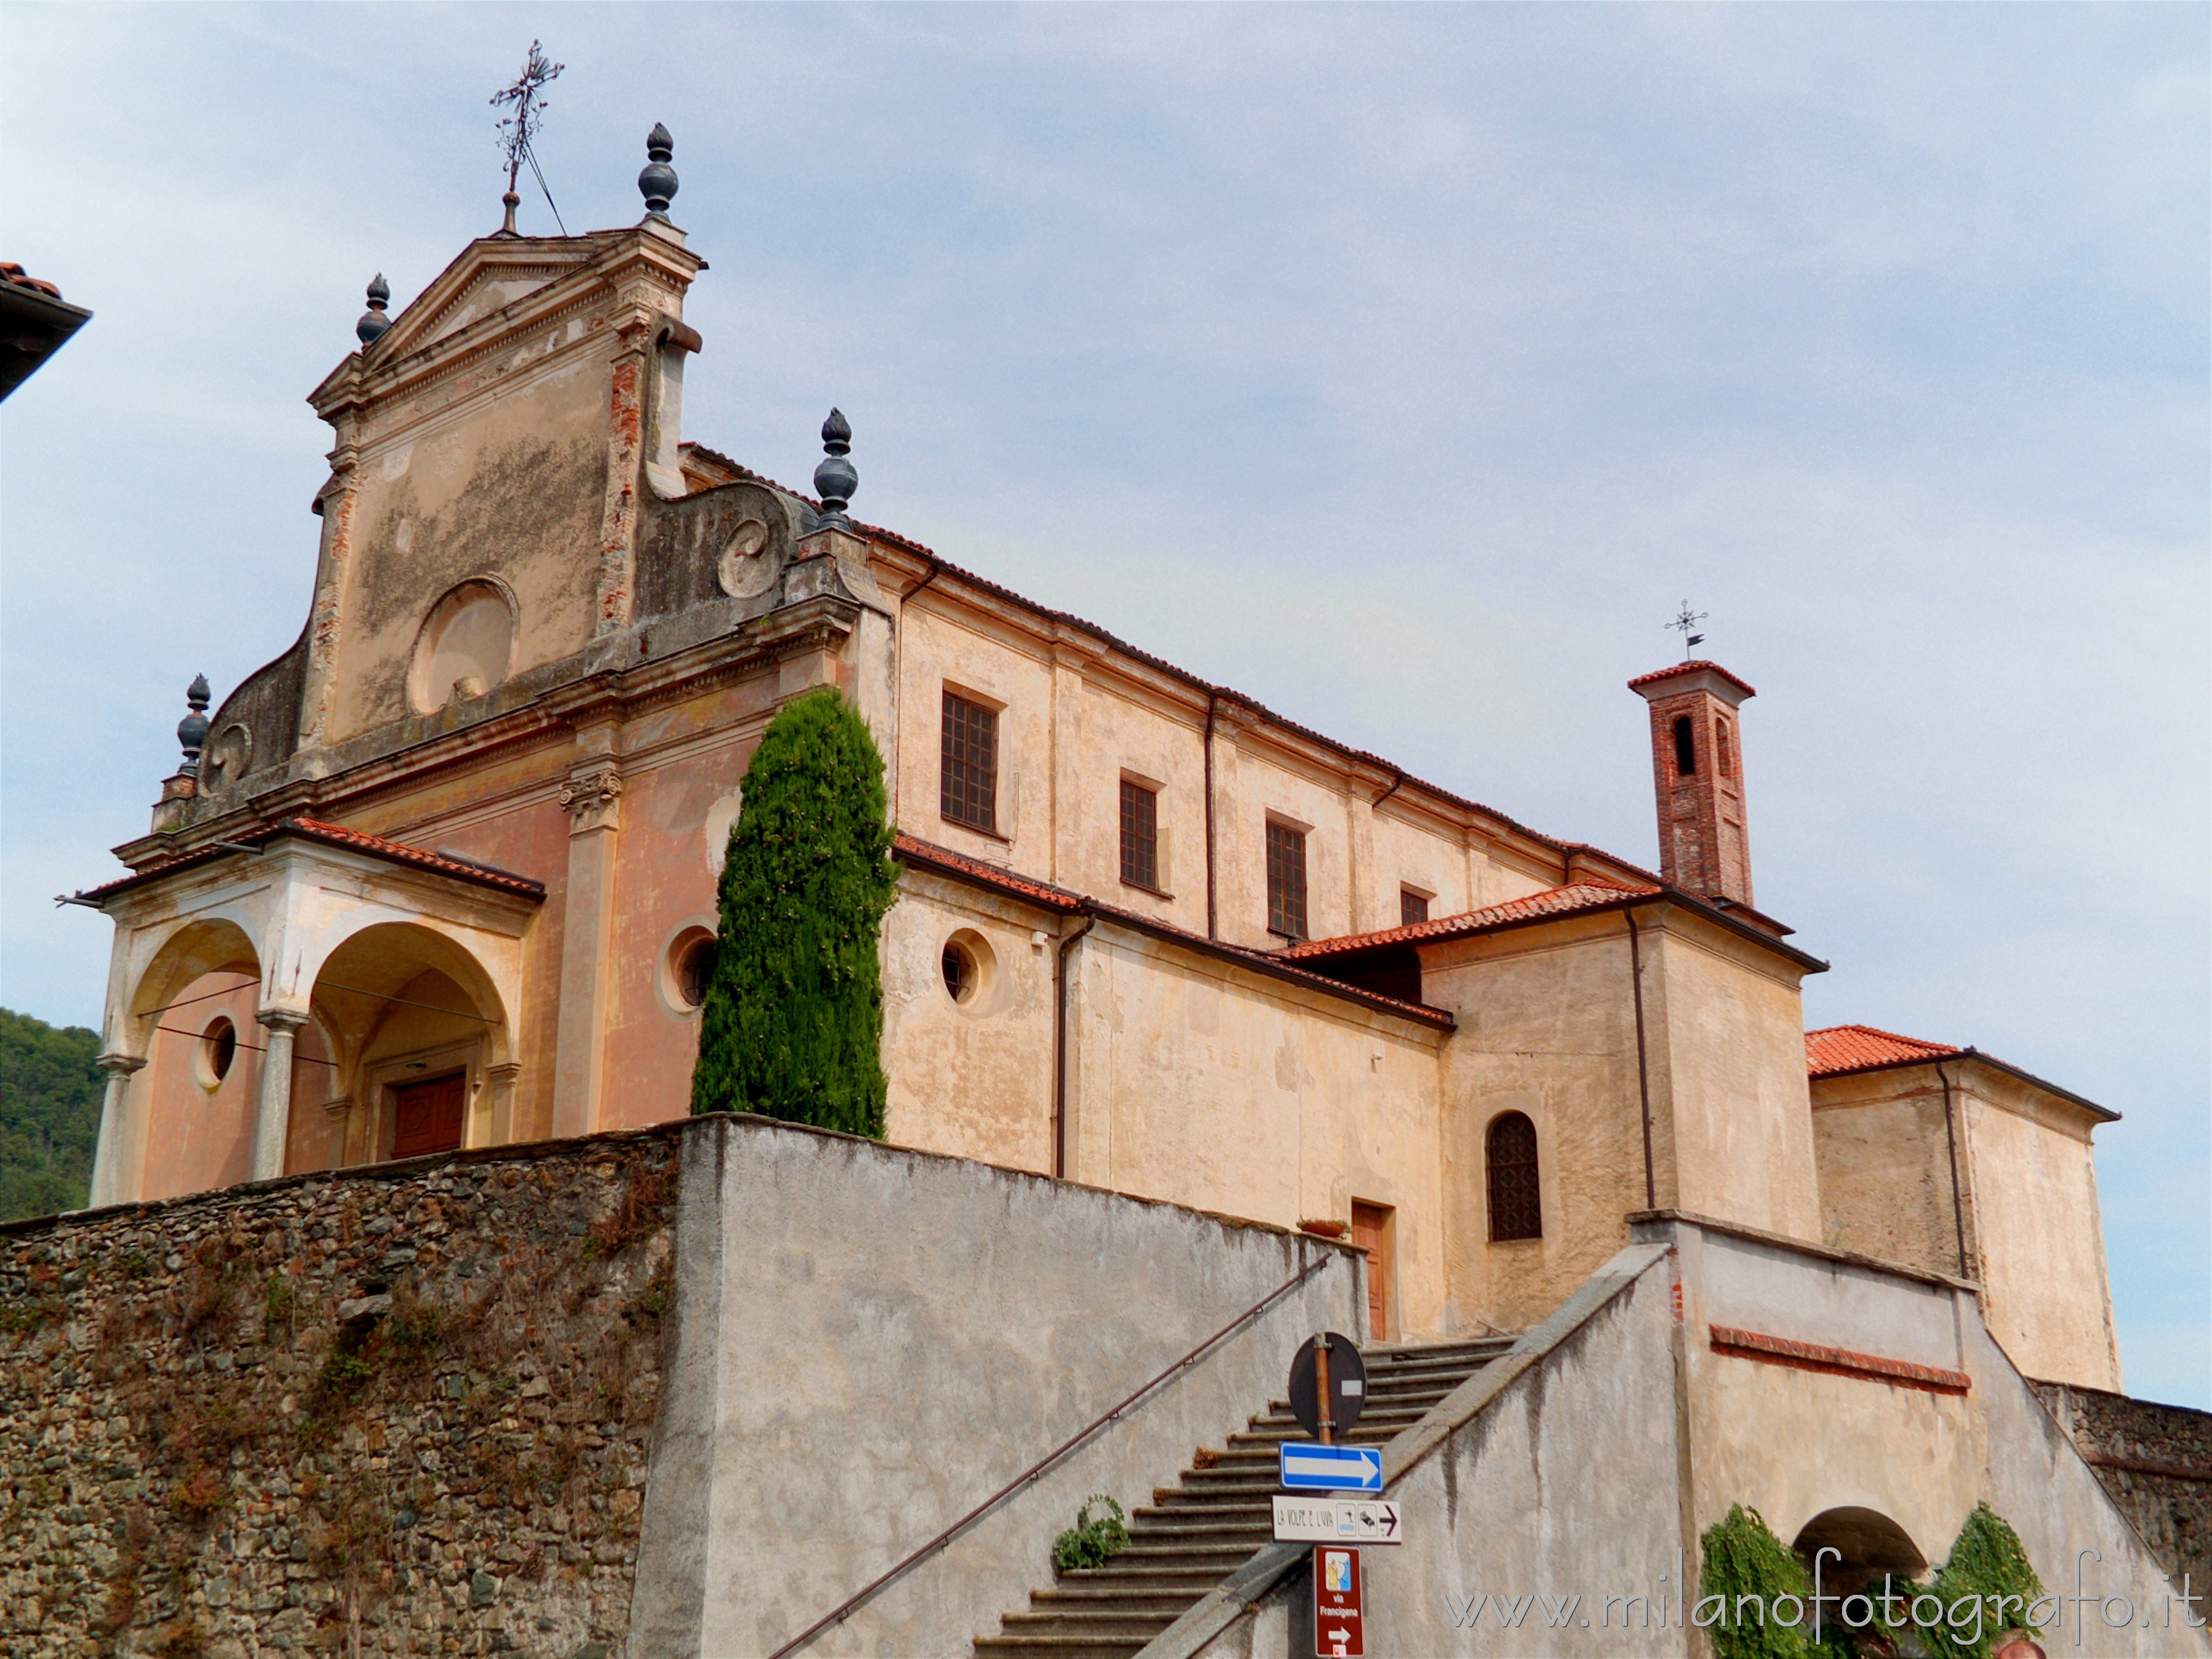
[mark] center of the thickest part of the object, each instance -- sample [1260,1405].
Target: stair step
[1142,1626]
[1107,1598]
[1062,1647]
[1197,1579]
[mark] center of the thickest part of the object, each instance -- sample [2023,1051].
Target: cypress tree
[792,1021]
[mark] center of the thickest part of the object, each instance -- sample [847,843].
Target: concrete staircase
[1194,1535]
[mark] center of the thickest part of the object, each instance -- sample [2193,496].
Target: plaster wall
[2041,1242]
[1202,1083]
[202,1136]
[1590,1460]
[871,1340]
[1885,1167]
[1794,1443]
[508,487]
[1725,1026]
[972,1080]
[1565,1485]
[1547,1027]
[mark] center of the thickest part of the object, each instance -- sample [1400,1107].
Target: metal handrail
[1030,1475]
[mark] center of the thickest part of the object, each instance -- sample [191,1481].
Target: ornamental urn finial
[193,730]
[372,321]
[835,480]
[657,183]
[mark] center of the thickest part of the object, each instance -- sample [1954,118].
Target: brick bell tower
[1696,771]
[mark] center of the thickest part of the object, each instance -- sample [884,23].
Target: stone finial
[657,183]
[834,480]
[372,321]
[193,730]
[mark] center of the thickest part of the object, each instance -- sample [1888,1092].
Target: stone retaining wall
[403,1409]
[2156,1463]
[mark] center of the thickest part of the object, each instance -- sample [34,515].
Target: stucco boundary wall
[869,1341]
[1501,1475]
[1589,1459]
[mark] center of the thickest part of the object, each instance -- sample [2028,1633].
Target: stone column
[593,798]
[272,1106]
[108,1171]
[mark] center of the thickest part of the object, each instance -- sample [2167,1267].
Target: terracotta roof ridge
[1692,667]
[458,866]
[1563,900]
[1069,902]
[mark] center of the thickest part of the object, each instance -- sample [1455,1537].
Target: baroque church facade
[442,875]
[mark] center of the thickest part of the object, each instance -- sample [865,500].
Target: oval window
[687,969]
[218,1051]
[464,649]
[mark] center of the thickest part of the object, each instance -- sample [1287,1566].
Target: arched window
[1685,748]
[1516,1209]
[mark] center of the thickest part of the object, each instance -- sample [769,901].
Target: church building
[442,875]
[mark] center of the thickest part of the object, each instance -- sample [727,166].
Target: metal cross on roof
[525,100]
[1685,620]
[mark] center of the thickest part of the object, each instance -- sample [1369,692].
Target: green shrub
[1090,1542]
[792,1022]
[1987,1565]
[1743,1558]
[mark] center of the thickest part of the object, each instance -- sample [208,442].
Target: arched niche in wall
[465,646]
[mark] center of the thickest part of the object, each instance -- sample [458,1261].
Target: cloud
[1402,366]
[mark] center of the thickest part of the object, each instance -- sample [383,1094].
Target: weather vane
[526,100]
[1685,620]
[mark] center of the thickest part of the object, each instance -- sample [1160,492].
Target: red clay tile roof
[14,276]
[1840,1050]
[329,835]
[914,850]
[1537,907]
[1642,680]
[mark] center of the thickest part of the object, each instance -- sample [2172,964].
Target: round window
[960,975]
[695,970]
[218,1051]
[687,969]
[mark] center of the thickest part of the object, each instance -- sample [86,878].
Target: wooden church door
[1370,1226]
[427,1116]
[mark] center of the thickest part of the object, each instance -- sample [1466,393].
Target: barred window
[1141,836]
[1286,880]
[1412,906]
[1516,1209]
[968,786]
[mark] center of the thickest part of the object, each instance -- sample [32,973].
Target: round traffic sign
[1347,1385]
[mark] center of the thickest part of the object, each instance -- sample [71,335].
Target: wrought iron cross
[1685,620]
[526,102]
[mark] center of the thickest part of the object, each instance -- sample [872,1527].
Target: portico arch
[406,1006]
[1856,1548]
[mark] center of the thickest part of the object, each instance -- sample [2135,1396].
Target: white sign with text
[1336,1520]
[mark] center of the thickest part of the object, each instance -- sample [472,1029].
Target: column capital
[592,795]
[505,1072]
[117,1064]
[282,1019]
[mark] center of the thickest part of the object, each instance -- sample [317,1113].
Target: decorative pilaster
[593,798]
[108,1157]
[503,1078]
[272,1104]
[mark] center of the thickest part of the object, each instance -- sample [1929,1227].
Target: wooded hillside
[49,1114]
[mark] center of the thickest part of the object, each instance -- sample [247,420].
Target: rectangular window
[1412,906]
[1141,836]
[1286,880]
[968,786]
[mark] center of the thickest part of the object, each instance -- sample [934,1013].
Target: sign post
[1339,1628]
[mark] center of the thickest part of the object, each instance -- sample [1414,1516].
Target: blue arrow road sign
[1332,1468]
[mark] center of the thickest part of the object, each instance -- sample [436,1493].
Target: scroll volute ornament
[593,798]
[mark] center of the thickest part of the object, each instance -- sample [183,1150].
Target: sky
[1405,368]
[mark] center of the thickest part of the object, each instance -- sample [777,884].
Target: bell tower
[1697,772]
